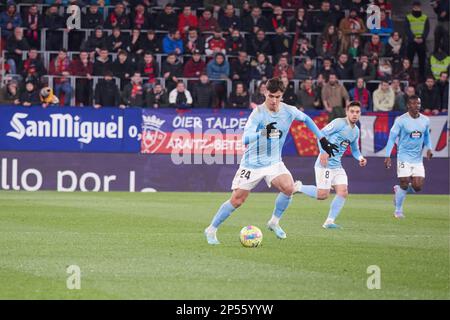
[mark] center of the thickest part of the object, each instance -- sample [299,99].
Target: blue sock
[222,214]
[281,204]
[400,196]
[336,206]
[410,189]
[310,191]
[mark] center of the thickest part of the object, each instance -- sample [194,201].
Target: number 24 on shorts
[245,174]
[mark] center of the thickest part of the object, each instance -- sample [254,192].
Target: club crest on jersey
[416,134]
[345,143]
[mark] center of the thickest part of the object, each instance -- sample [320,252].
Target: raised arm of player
[393,134]
[325,144]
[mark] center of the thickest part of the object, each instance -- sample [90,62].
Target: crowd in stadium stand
[218,53]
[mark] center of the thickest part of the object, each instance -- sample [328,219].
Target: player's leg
[321,190]
[336,206]
[400,192]
[417,184]
[285,184]
[238,197]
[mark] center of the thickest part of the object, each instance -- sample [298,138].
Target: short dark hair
[353,104]
[275,84]
[413,97]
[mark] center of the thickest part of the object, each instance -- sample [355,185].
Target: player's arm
[356,153]
[427,142]
[325,145]
[393,134]
[251,132]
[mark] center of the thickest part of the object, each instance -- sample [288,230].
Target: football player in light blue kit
[413,132]
[264,135]
[329,172]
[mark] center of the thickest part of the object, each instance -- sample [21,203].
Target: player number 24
[245,174]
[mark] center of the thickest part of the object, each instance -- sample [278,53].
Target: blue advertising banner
[70,129]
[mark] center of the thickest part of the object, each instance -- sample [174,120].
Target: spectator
[172,42]
[442,85]
[186,20]
[30,96]
[327,68]
[361,94]
[95,42]
[239,98]
[241,69]
[123,68]
[193,42]
[291,5]
[148,68]
[386,26]
[228,20]
[300,23]
[352,26]
[157,97]
[92,18]
[363,69]
[289,95]
[439,62]
[395,46]
[82,67]
[218,70]
[281,42]
[235,43]
[305,70]
[255,21]
[333,96]
[344,67]
[215,44]
[260,44]
[302,48]
[10,94]
[60,67]
[278,19]
[375,47]
[180,97]
[261,68]
[135,42]
[430,96]
[283,66]
[417,28]
[400,101]
[107,93]
[53,21]
[259,96]
[102,63]
[118,18]
[327,42]
[140,19]
[207,23]
[383,97]
[15,45]
[117,41]
[172,69]
[33,65]
[441,33]
[308,96]
[384,70]
[406,72]
[133,94]
[9,20]
[195,66]
[324,17]
[33,22]
[204,94]
[150,43]
[167,19]
[355,49]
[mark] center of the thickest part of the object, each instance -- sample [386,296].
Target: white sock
[211,229]
[274,220]
[329,221]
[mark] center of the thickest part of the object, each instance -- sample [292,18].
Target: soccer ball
[251,236]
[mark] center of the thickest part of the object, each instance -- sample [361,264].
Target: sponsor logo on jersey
[345,143]
[416,134]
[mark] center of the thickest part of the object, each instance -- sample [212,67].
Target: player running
[329,172]
[264,135]
[413,132]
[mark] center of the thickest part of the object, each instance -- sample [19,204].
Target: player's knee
[322,195]
[237,201]
[343,193]
[404,185]
[417,187]
[288,190]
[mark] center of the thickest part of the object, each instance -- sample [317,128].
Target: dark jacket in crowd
[204,95]
[430,99]
[107,93]
[133,95]
[238,101]
[161,99]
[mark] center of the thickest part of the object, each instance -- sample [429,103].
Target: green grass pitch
[151,246]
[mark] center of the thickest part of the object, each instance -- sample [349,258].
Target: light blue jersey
[262,152]
[412,134]
[341,133]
